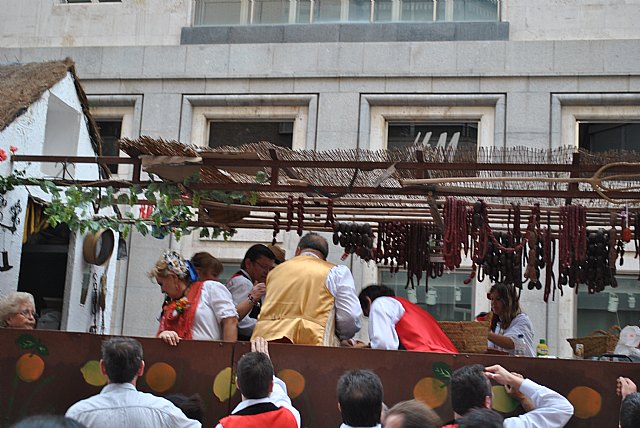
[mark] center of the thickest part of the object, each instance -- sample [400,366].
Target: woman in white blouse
[511,321]
[193,309]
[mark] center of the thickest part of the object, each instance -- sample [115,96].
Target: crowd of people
[360,399]
[313,302]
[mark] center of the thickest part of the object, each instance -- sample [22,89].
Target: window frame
[127,109]
[198,110]
[376,110]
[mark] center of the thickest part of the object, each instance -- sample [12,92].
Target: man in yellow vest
[309,301]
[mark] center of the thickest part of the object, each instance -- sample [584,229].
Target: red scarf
[174,318]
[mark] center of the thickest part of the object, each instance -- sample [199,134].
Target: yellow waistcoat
[298,306]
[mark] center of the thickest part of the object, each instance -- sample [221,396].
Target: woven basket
[598,343]
[467,336]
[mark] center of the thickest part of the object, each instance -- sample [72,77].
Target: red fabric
[450,426]
[419,331]
[281,418]
[181,323]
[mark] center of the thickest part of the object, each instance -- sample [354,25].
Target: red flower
[13,149]
[3,155]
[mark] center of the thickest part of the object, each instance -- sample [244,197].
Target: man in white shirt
[471,389]
[247,287]
[360,396]
[265,402]
[310,301]
[120,403]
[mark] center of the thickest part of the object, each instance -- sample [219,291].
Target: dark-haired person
[310,301]
[481,418]
[396,323]
[471,389]
[247,286]
[265,402]
[120,404]
[360,396]
[208,267]
[508,321]
[47,421]
[192,406]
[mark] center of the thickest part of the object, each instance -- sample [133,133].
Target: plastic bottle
[519,347]
[542,350]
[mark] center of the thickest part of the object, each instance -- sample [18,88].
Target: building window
[117,116]
[396,120]
[605,136]
[92,1]
[234,12]
[236,133]
[110,132]
[618,306]
[448,299]
[233,120]
[447,135]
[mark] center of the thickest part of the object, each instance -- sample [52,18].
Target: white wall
[27,133]
[48,23]
[572,19]
[45,23]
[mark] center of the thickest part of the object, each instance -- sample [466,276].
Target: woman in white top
[193,309]
[511,321]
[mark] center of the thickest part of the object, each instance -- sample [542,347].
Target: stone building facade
[504,73]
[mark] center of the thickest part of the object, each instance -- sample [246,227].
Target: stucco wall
[52,23]
[28,134]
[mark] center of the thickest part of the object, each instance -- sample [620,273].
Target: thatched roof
[374,185]
[23,84]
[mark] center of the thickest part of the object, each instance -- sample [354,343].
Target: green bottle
[542,350]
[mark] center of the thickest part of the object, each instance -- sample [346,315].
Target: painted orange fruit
[586,401]
[431,391]
[160,377]
[294,380]
[92,374]
[29,367]
[223,386]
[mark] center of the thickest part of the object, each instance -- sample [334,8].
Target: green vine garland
[78,206]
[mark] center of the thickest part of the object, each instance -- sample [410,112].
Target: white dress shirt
[121,405]
[551,409]
[215,304]
[240,287]
[521,324]
[384,314]
[278,397]
[340,284]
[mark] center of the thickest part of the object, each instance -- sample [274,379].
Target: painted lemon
[294,380]
[29,367]
[586,402]
[503,402]
[160,377]
[92,374]
[223,385]
[431,391]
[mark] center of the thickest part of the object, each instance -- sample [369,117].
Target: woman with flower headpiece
[201,310]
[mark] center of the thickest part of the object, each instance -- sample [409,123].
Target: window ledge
[346,32]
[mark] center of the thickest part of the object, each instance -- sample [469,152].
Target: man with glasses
[247,287]
[310,301]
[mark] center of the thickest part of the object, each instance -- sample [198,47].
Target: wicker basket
[467,336]
[598,343]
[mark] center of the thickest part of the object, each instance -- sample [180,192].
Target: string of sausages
[513,256]
[409,245]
